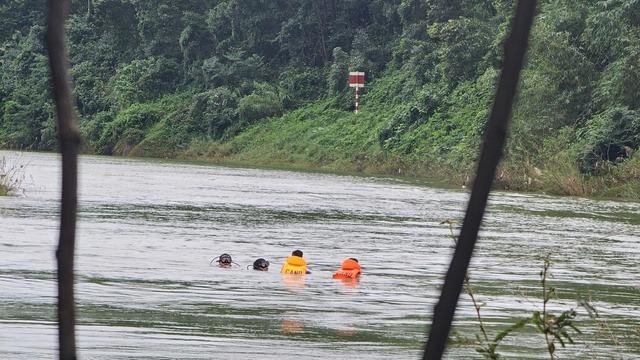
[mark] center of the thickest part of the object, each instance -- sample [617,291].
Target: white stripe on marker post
[356,80]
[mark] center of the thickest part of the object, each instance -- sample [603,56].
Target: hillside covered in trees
[265,82]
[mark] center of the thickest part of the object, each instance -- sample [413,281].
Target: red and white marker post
[356,80]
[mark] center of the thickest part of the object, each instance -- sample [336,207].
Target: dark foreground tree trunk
[69,142]
[492,146]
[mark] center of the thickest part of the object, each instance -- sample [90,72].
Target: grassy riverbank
[384,140]
[558,176]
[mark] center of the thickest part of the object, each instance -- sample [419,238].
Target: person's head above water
[295,264]
[261,265]
[225,260]
[350,269]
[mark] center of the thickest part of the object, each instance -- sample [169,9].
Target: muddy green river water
[147,230]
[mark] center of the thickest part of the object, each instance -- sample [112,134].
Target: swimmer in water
[261,265]
[224,261]
[295,264]
[350,269]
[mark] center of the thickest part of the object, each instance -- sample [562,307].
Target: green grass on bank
[392,137]
[559,177]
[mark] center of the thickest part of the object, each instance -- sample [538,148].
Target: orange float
[350,270]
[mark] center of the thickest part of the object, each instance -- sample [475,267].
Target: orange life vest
[350,270]
[295,265]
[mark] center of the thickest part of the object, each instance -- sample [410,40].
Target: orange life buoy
[350,270]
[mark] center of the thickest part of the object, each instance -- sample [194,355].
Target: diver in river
[224,261]
[261,265]
[295,264]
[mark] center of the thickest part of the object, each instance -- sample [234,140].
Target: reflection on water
[148,229]
[346,333]
[293,281]
[350,282]
[291,324]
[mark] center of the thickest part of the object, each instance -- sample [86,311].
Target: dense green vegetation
[264,82]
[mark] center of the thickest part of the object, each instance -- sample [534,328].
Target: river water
[148,229]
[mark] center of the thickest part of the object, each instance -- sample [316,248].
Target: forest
[265,83]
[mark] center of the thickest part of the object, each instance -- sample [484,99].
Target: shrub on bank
[610,136]
[128,127]
[11,177]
